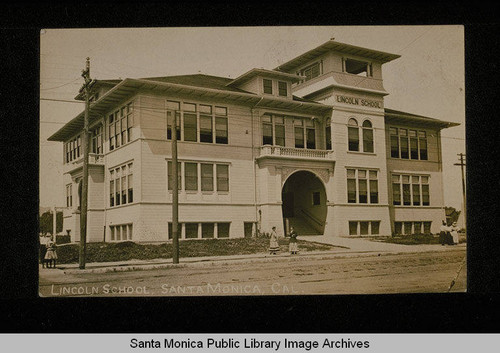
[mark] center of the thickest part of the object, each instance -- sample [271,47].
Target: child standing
[293,241]
[273,242]
[51,254]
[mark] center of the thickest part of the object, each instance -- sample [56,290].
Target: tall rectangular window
[413,144]
[398,228]
[406,191]
[363,187]
[310,135]
[267,130]
[69,195]
[190,130]
[282,89]
[268,86]
[394,142]
[96,140]
[299,133]
[353,228]
[206,134]
[222,177]
[111,132]
[221,129]
[207,177]
[353,137]
[425,191]
[396,190]
[403,141]
[117,186]
[111,188]
[130,184]
[427,227]
[191,176]
[124,129]
[422,140]
[124,185]
[415,186]
[367,137]
[351,185]
[328,134]
[279,128]
[373,186]
[130,123]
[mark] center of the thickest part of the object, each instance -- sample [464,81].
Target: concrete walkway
[364,244]
[347,247]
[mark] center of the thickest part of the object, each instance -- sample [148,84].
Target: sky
[428,79]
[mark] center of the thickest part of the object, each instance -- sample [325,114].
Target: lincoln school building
[308,144]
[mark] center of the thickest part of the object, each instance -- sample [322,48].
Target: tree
[45,222]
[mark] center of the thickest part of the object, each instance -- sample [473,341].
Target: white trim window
[273,130]
[198,122]
[364,227]
[412,227]
[355,144]
[362,186]
[410,190]
[120,125]
[121,232]
[312,71]
[305,133]
[121,185]
[408,144]
[72,149]
[203,177]
[69,195]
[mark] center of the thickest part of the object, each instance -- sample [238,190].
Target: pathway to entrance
[363,244]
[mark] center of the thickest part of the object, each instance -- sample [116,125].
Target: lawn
[414,239]
[106,252]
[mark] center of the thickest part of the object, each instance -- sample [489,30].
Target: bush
[63,239]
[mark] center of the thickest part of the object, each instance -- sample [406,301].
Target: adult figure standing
[454,233]
[443,230]
[273,242]
[292,247]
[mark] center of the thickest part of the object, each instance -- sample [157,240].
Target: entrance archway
[304,203]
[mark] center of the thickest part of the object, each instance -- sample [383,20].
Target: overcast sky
[427,80]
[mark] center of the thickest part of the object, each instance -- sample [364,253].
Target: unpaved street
[368,274]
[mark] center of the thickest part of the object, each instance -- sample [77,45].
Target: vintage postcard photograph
[252,161]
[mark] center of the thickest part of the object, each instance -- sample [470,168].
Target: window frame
[355,181]
[398,184]
[415,140]
[121,186]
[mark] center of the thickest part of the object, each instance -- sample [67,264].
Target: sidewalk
[348,247]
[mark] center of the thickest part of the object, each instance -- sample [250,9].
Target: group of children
[449,234]
[274,245]
[48,252]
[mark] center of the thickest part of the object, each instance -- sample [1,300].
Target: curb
[223,262]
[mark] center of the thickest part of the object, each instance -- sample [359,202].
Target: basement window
[357,67]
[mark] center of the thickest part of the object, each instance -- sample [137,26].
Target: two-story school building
[309,144]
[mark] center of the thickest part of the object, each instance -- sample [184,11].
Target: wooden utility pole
[175,192]
[462,166]
[85,186]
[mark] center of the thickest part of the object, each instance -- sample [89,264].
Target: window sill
[408,159]
[363,153]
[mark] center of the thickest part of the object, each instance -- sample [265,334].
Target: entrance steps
[301,226]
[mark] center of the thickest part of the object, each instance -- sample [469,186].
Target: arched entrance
[304,203]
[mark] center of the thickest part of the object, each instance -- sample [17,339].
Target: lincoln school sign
[358,101]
